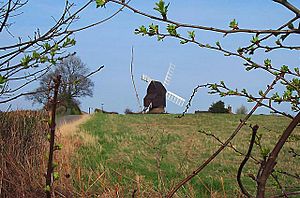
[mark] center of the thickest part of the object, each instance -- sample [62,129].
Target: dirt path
[69,119]
[70,136]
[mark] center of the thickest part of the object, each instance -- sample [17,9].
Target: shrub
[98,110]
[128,111]
[218,107]
[242,110]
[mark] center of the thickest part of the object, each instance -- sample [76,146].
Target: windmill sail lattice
[146,78]
[169,74]
[175,98]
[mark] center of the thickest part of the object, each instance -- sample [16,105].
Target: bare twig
[39,91]
[53,102]
[189,104]
[287,194]
[294,153]
[229,145]
[289,6]
[216,153]
[55,35]
[6,15]
[268,36]
[212,29]
[271,161]
[133,82]
[280,186]
[293,175]
[243,163]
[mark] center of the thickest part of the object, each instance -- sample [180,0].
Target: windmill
[155,100]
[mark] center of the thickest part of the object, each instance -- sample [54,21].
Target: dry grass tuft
[71,137]
[69,132]
[22,153]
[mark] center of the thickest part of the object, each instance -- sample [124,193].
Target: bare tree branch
[44,90]
[55,37]
[271,161]
[243,163]
[132,80]
[6,16]
[289,6]
[212,29]
[216,153]
[50,168]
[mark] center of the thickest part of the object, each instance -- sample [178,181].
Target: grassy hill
[146,155]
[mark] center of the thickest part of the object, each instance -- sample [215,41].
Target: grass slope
[148,154]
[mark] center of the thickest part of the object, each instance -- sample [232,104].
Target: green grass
[162,150]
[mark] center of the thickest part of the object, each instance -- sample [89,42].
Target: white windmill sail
[175,98]
[146,78]
[169,74]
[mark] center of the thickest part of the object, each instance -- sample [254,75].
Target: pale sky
[110,44]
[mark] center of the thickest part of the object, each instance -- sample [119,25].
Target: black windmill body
[155,99]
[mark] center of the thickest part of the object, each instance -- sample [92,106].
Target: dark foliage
[74,85]
[218,107]
[128,111]
[242,110]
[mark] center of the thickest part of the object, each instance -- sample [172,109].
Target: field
[145,155]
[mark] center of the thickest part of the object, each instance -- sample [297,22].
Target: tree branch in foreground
[243,163]
[216,153]
[271,161]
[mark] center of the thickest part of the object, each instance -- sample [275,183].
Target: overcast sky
[110,45]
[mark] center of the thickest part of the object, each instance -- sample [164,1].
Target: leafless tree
[74,84]
[242,110]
